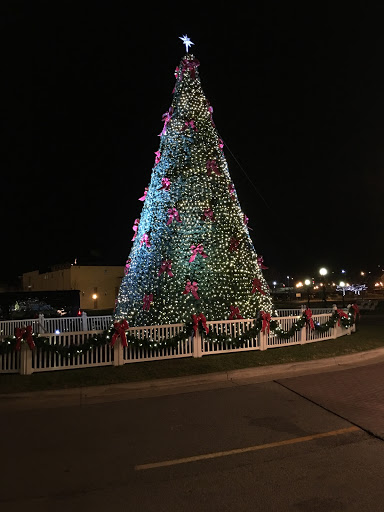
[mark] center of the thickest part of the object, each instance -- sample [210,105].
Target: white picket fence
[27,361]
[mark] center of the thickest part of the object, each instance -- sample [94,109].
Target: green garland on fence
[8,344]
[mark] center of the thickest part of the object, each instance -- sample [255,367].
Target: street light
[307,282]
[323,272]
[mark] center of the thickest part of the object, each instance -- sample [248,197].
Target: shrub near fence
[28,361]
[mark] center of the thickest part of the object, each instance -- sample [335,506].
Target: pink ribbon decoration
[191,287]
[210,110]
[135,227]
[173,215]
[221,143]
[143,198]
[120,328]
[341,314]
[260,262]
[308,318]
[189,65]
[147,301]
[212,166]
[127,265]
[195,323]
[231,189]
[266,317]
[165,184]
[145,240]
[234,244]
[256,286]
[166,266]
[208,214]
[197,249]
[158,156]
[189,124]
[235,313]
[167,116]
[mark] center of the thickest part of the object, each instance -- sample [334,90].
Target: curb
[175,385]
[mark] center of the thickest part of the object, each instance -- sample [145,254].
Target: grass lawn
[369,335]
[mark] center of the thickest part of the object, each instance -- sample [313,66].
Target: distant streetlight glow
[307,282]
[323,271]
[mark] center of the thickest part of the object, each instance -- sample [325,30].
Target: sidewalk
[100,394]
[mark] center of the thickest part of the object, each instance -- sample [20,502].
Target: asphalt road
[254,447]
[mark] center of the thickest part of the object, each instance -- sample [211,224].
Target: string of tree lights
[192,251]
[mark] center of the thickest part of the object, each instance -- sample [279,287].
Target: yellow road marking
[214,455]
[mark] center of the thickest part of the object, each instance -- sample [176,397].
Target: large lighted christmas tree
[192,252]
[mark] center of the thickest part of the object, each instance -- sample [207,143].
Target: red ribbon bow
[199,318]
[197,249]
[135,227]
[340,314]
[212,166]
[145,240]
[167,116]
[231,189]
[173,215]
[143,198]
[120,328]
[235,313]
[260,262]
[234,244]
[266,317]
[165,184]
[158,156]
[308,318]
[189,65]
[127,265]
[191,287]
[256,286]
[24,333]
[147,301]
[189,124]
[166,266]
[208,214]
[356,311]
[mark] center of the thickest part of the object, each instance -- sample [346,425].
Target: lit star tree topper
[186,41]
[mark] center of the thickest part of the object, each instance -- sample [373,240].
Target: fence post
[197,340]
[25,360]
[118,359]
[41,328]
[303,330]
[84,320]
[263,340]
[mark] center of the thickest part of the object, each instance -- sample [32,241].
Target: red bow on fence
[266,317]
[199,318]
[24,334]
[235,313]
[308,318]
[120,328]
[340,314]
[356,311]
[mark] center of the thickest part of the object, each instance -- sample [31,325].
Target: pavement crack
[369,432]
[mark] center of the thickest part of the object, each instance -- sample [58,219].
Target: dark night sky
[297,97]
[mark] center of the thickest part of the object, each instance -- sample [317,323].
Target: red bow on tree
[256,286]
[234,244]
[143,198]
[266,317]
[24,334]
[199,318]
[189,124]
[165,184]
[212,166]
[235,313]
[308,318]
[158,156]
[260,262]
[166,266]
[191,287]
[147,301]
[189,65]
[340,315]
[135,227]
[208,214]
[120,328]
